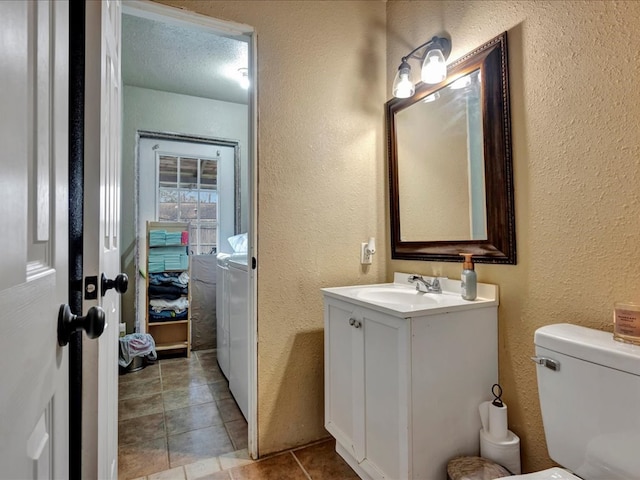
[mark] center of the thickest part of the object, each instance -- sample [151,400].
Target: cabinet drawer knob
[352,321]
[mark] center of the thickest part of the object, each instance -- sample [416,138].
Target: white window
[188,192]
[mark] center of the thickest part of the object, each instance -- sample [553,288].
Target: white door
[101,235]
[34,402]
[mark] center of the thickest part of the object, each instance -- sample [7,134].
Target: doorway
[184,111]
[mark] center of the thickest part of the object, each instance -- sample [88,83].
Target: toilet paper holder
[493,415]
[497,397]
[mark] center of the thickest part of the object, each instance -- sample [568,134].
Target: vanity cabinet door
[344,378]
[367,357]
[386,343]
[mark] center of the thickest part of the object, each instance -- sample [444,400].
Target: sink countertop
[401,299]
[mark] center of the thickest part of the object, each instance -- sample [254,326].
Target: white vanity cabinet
[367,357]
[402,391]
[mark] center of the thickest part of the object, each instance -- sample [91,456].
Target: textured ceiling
[176,59]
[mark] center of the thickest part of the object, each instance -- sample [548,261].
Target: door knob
[92,323]
[120,283]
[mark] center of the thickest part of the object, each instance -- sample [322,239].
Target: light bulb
[402,85]
[434,67]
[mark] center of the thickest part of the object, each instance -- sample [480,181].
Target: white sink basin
[402,299]
[398,295]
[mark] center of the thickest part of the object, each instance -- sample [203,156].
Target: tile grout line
[166,431]
[164,417]
[316,442]
[233,443]
[300,464]
[215,402]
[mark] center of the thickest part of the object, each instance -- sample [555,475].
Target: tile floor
[176,412]
[318,461]
[178,421]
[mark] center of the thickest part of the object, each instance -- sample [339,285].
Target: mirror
[451,183]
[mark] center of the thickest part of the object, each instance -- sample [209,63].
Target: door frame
[169,14]
[76,211]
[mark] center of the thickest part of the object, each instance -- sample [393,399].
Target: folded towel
[177,250]
[173,238]
[155,267]
[177,279]
[167,316]
[158,304]
[168,292]
[176,262]
[157,237]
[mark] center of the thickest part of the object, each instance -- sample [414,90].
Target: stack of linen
[157,238]
[176,261]
[173,238]
[168,296]
[168,285]
[167,310]
[168,258]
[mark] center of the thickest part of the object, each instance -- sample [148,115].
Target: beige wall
[321,71]
[322,177]
[575,111]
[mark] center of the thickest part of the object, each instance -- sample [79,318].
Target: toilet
[589,388]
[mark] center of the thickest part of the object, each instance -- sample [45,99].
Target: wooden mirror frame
[500,246]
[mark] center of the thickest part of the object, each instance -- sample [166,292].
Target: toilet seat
[554,473]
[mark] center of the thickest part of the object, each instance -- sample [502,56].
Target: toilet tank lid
[591,345]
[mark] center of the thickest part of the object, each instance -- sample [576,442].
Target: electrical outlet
[365,256]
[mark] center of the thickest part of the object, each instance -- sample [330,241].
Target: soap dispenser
[469,279]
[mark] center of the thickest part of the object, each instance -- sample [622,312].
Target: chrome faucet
[431,287]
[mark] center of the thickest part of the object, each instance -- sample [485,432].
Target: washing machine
[222,312]
[238,273]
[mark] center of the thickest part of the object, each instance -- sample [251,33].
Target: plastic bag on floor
[136,345]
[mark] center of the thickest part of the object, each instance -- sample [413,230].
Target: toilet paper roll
[504,452]
[494,420]
[498,426]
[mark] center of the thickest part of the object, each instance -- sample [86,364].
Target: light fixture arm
[441,43]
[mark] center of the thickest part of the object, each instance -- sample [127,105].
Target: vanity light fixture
[243,79]
[434,66]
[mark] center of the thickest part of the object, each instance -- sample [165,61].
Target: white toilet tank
[591,402]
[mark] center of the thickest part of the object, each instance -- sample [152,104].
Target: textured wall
[575,112]
[321,72]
